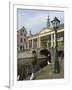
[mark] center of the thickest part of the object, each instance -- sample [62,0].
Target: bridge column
[28,45]
[32,43]
[39,42]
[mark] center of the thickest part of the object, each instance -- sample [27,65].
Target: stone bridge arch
[40,49]
[43,51]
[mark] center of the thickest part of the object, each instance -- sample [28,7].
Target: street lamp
[55,24]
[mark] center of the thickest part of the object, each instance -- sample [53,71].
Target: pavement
[47,72]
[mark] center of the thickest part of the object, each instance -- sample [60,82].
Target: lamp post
[55,24]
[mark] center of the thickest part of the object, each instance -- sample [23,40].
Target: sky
[36,20]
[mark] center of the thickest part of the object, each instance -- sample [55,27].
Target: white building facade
[46,38]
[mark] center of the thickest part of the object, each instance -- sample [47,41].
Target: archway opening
[33,52]
[46,53]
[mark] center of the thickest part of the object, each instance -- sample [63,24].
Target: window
[21,40]
[24,34]
[23,30]
[61,34]
[23,48]
[21,33]
[20,47]
[24,40]
[58,35]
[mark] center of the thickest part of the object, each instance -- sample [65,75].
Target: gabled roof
[44,30]
[23,28]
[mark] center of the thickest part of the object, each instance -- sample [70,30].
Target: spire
[30,33]
[48,22]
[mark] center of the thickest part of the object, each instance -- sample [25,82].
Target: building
[21,39]
[46,38]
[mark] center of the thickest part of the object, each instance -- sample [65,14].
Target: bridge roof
[46,30]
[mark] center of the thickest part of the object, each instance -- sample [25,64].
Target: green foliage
[44,43]
[49,43]
[34,46]
[61,46]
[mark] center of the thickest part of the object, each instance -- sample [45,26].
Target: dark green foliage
[44,43]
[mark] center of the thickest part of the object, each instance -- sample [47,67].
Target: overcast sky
[35,20]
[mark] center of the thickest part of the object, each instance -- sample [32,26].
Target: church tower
[48,22]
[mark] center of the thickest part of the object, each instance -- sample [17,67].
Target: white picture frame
[13,45]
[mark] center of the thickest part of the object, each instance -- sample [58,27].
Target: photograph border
[13,45]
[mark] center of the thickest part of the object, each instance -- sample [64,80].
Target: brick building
[21,39]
